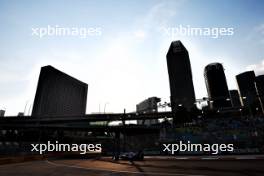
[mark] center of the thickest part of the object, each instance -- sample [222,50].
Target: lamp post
[105,106]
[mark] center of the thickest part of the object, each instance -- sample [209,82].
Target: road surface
[151,166]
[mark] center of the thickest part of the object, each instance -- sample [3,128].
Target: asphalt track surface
[151,166]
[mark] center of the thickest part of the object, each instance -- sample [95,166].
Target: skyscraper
[59,94]
[247,89]
[260,90]
[180,76]
[2,113]
[216,85]
[235,99]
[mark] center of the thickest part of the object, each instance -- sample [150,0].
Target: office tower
[235,99]
[216,85]
[149,105]
[180,76]
[20,114]
[59,94]
[260,90]
[247,89]
[2,113]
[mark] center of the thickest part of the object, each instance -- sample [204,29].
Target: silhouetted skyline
[129,54]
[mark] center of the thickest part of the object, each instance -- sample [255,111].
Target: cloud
[140,34]
[258,68]
[160,13]
[157,17]
[257,34]
[260,29]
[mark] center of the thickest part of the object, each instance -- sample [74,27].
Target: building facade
[260,90]
[59,94]
[235,99]
[180,76]
[246,87]
[216,85]
[2,113]
[150,105]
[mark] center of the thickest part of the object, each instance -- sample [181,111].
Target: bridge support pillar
[117,146]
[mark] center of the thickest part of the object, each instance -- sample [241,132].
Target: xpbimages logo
[57,147]
[57,31]
[190,31]
[189,147]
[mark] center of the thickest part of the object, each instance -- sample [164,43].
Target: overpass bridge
[42,126]
[83,122]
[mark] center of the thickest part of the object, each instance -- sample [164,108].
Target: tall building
[59,94]
[149,105]
[2,113]
[235,99]
[247,89]
[20,114]
[260,90]
[180,76]
[216,85]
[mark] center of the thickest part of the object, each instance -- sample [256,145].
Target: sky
[124,62]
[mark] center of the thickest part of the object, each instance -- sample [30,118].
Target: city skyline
[127,63]
[57,93]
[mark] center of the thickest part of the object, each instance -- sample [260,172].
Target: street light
[105,106]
